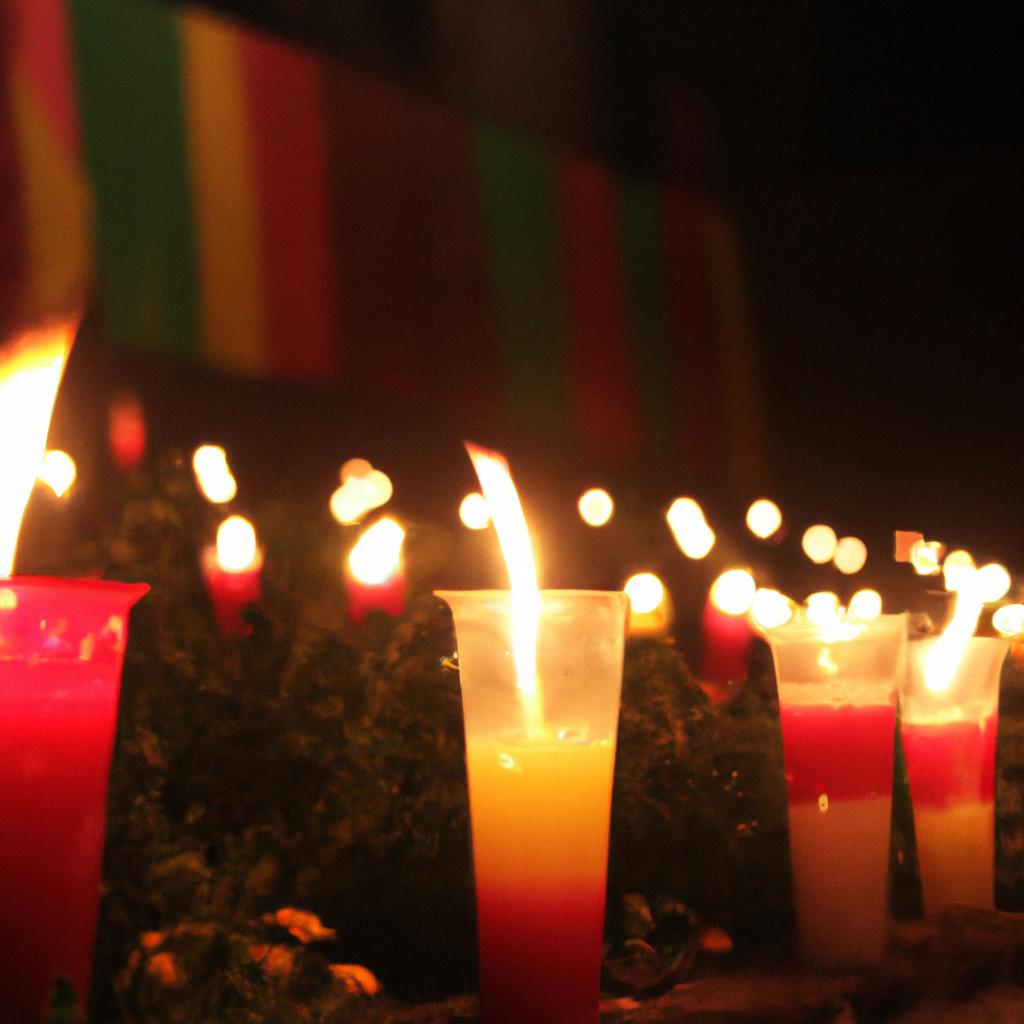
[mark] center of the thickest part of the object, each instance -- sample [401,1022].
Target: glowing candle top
[31,367]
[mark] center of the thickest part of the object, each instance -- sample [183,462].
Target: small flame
[514,540]
[764,518]
[645,592]
[690,529]
[57,471]
[213,475]
[473,511]
[377,555]
[237,550]
[733,592]
[771,608]
[596,506]
[31,368]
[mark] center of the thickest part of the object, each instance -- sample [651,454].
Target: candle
[540,752]
[949,740]
[726,635]
[837,683]
[650,610]
[375,580]
[61,647]
[231,569]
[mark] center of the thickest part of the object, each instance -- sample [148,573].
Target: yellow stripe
[235,335]
[745,455]
[57,210]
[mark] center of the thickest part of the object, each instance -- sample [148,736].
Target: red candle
[375,580]
[387,597]
[232,573]
[62,645]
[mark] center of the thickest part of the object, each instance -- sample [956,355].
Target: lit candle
[231,569]
[375,580]
[726,635]
[62,643]
[540,751]
[837,680]
[650,610]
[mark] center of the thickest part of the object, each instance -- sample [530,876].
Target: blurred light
[8,599]
[210,465]
[57,471]
[378,552]
[992,582]
[763,518]
[236,545]
[850,555]
[823,608]
[771,609]
[1009,620]
[645,592]
[957,569]
[690,529]
[819,543]
[31,367]
[356,468]
[473,511]
[126,426]
[865,605]
[596,506]
[926,557]
[733,592]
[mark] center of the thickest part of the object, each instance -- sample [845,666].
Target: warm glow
[865,605]
[514,540]
[473,511]
[127,430]
[819,543]
[1008,621]
[763,518]
[57,471]
[850,555]
[926,557]
[596,506]
[993,582]
[362,489]
[946,653]
[823,609]
[213,475]
[690,529]
[645,592]
[771,609]
[957,569]
[733,592]
[377,555]
[31,367]
[237,550]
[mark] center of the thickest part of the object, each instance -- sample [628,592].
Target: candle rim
[105,587]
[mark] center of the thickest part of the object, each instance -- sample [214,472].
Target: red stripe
[289,151]
[697,380]
[603,395]
[372,140]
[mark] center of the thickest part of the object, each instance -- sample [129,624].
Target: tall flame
[31,367]
[947,652]
[514,540]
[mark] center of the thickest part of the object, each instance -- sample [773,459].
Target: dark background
[872,158]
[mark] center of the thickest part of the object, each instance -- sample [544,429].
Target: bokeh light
[992,582]
[690,529]
[58,471]
[236,544]
[645,592]
[957,569]
[823,608]
[926,557]
[596,506]
[1008,621]
[473,511]
[733,592]
[819,543]
[850,555]
[362,490]
[764,518]
[865,605]
[213,475]
[771,609]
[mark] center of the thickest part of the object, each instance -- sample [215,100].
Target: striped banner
[267,211]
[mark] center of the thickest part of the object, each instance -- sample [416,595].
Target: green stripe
[641,233]
[517,185]
[130,89]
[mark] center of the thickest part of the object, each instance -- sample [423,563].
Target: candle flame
[377,555]
[733,592]
[771,609]
[645,592]
[514,541]
[57,471]
[236,545]
[31,367]
[213,475]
